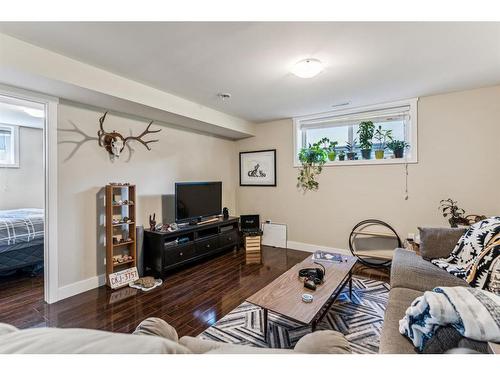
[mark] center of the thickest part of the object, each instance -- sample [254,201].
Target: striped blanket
[473,312]
[20,226]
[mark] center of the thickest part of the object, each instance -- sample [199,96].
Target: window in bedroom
[398,120]
[9,146]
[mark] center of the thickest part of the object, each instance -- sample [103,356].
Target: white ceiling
[365,63]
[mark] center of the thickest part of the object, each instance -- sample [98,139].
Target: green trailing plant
[365,134]
[312,159]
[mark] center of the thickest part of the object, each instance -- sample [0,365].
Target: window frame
[15,144]
[411,156]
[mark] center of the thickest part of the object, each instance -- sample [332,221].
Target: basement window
[9,146]
[398,119]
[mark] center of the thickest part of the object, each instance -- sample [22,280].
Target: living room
[257,187]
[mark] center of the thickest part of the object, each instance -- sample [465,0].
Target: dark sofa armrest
[438,242]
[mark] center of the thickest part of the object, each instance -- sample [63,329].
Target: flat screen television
[196,200]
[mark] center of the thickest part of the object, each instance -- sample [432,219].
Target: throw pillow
[447,338]
[438,242]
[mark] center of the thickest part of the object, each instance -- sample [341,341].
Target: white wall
[459,157]
[23,187]
[178,156]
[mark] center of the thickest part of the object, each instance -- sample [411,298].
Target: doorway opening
[22,198]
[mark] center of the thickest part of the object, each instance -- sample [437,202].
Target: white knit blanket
[475,313]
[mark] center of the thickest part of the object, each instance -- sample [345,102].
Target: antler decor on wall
[114,142]
[109,141]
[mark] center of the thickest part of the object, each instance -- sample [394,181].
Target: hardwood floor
[190,299]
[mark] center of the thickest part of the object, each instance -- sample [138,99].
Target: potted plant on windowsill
[350,147]
[330,148]
[398,148]
[381,136]
[342,155]
[365,133]
[312,159]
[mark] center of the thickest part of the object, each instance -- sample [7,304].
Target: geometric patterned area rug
[359,319]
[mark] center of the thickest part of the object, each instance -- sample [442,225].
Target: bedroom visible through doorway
[22,196]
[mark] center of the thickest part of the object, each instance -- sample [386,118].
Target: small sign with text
[122,278]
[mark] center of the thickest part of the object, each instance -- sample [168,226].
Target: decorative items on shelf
[121,258]
[152,222]
[124,220]
[114,143]
[120,234]
[123,203]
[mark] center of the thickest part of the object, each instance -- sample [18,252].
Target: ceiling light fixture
[33,112]
[307,68]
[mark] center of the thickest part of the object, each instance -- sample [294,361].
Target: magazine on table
[325,256]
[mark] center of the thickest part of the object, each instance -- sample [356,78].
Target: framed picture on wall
[258,168]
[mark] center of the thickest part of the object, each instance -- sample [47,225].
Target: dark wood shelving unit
[114,193]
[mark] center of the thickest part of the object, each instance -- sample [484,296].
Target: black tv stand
[165,251]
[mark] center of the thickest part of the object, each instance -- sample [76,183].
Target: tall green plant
[382,136]
[365,134]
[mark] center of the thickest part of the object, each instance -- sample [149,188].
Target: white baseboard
[80,286]
[312,248]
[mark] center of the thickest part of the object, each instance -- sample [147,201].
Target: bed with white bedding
[21,238]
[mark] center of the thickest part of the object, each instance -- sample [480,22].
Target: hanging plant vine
[312,159]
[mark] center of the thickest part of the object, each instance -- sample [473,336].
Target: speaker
[225,213]
[168,209]
[139,248]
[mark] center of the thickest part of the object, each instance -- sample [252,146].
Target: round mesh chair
[373,242]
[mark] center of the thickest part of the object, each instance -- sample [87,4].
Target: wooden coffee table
[284,295]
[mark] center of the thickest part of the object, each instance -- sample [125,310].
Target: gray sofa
[411,276]
[152,336]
